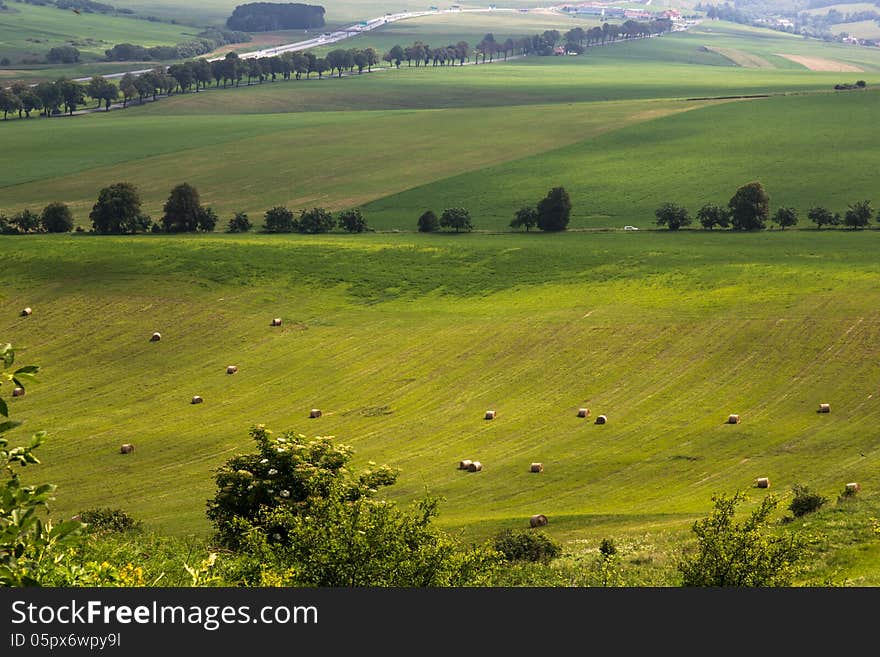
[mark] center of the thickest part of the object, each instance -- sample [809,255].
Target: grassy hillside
[323,170]
[806,150]
[405,341]
[481,163]
[31,31]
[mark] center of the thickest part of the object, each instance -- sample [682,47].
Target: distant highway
[330,37]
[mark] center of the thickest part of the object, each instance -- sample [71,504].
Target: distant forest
[268,16]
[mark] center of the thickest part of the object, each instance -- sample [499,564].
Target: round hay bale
[853,487]
[231,369]
[18,392]
[583,412]
[315,412]
[602,419]
[197,400]
[490,415]
[762,482]
[156,337]
[733,419]
[464,464]
[127,448]
[538,520]
[475,466]
[824,408]
[26,311]
[276,321]
[536,467]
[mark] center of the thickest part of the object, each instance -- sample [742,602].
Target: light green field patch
[334,159]
[742,58]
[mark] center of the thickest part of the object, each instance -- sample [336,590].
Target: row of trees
[49,98]
[749,209]
[118,211]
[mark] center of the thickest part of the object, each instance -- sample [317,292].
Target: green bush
[108,520]
[805,501]
[524,545]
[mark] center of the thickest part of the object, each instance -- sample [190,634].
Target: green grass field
[31,31]
[404,340]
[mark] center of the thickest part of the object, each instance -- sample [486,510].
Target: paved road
[329,37]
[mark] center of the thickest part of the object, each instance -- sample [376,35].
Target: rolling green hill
[405,341]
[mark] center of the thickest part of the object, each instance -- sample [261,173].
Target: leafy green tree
[102,90]
[458,219]
[128,88]
[316,220]
[9,102]
[352,221]
[741,554]
[823,217]
[26,221]
[182,210]
[785,217]
[57,218]
[33,550]
[72,94]
[805,501]
[337,60]
[320,66]
[672,216]
[428,222]
[118,210]
[285,471]
[30,102]
[207,219]
[554,210]
[279,220]
[711,215]
[525,217]
[49,95]
[858,215]
[397,55]
[749,207]
[240,223]
[526,545]
[297,514]
[62,55]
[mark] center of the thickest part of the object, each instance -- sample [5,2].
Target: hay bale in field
[536,467]
[853,487]
[538,520]
[824,408]
[276,321]
[733,419]
[231,369]
[602,419]
[762,482]
[197,400]
[315,412]
[464,464]
[490,415]
[26,311]
[127,448]
[475,466]
[156,337]
[18,392]
[583,412]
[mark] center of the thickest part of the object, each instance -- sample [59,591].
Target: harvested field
[822,64]
[741,58]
